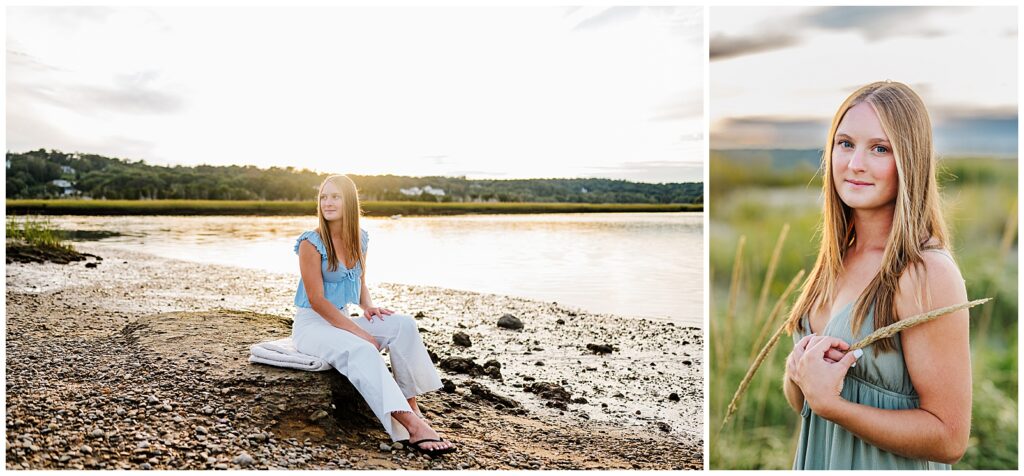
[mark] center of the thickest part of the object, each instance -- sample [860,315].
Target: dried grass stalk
[734,403]
[769,274]
[903,324]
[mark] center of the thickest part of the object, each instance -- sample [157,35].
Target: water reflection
[647,265]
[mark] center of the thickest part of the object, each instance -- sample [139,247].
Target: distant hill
[784,159]
[735,168]
[54,174]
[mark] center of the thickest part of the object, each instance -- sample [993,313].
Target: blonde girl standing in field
[332,261]
[905,402]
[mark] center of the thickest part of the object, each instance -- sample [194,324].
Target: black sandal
[432,453]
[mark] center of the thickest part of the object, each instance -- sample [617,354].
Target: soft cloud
[727,46]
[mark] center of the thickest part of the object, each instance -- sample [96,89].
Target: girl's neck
[872,228]
[334,228]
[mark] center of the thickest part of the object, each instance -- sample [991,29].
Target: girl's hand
[794,356]
[380,312]
[821,379]
[831,356]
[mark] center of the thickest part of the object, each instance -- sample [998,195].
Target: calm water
[639,264]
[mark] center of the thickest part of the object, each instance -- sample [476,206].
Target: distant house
[65,169]
[427,189]
[66,188]
[8,163]
[583,190]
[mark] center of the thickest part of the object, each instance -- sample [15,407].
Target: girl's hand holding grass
[819,377]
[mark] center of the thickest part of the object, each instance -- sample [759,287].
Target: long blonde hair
[916,219]
[350,212]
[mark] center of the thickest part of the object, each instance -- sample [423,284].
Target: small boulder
[600,348]
[549,391]
[508,321]
[492,368]
[461,365]
[462,339]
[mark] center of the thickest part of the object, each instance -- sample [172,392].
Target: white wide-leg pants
[355,358]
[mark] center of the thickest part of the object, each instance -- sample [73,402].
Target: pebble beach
[130,361]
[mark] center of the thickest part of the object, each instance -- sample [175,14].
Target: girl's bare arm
[937,356]
[313,281]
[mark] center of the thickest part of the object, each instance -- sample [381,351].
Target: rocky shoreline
[140,362]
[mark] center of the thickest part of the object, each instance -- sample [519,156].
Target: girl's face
[863,165]
[330,201]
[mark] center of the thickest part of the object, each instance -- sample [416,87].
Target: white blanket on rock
[282,353]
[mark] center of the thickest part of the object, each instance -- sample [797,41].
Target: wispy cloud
[726,46]
[126,95]
[871,23]
[874,23]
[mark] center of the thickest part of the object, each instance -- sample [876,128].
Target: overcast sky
[778,74]
[481,92]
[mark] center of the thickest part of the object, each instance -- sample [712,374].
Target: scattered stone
[600,348]
[549,391]
[461,365]
[243,460]
[448,386]
[492,368]
[318,415]
[462,339]
[485,394]
[386,447]
[397,446]
[419,315]
[508,321]
[665,427]
[673,397]
[152,400]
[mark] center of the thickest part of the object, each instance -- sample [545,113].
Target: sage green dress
[880,381]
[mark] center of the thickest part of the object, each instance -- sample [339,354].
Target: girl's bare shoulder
[933,283]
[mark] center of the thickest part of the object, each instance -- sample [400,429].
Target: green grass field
[226,207]
[981,209]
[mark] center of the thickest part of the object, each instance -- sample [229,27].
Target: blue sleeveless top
[340,287]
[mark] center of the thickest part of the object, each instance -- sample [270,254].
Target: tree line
[32,175]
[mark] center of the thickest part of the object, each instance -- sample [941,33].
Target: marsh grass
[370,208]
[979,202]
[35,232]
